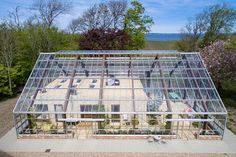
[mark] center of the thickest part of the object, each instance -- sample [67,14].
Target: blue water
[162,36]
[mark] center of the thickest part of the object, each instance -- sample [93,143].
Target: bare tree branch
[49,10]
[104,16]
[14,19]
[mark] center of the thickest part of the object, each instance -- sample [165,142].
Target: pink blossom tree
[220,61]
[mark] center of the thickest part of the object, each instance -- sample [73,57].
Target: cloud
[169,15]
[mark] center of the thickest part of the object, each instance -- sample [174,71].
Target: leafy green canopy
[216,22]
[220,20]
[137,24]
[28,43]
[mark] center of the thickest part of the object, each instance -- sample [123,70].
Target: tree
[220,21]
[36,39]
[214,23]
[14,18]
[117,9]
[7,49]
[232,44]
[102,15]
[49,10]
[4,85]
[16,79]
[191,34]
[220,62]
[104,39]
[137,24]
[22,40]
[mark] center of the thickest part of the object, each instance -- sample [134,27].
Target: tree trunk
[9,79]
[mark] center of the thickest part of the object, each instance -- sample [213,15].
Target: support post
[169,108]
[100,101]
[69,90]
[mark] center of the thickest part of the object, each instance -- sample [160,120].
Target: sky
[169,15]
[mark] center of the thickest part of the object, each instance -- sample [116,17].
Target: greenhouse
[120,94]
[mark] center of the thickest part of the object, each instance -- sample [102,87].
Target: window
[58,108]
[89,108]
[115,117]
[115,108]
[41,107]
[94,81]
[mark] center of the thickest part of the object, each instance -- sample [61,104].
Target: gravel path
[6,118]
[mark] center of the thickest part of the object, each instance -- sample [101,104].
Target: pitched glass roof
[140,81]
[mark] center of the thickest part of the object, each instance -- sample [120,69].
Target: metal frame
[182,74]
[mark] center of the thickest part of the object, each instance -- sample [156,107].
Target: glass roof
[138,81]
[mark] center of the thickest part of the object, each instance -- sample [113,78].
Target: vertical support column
[132,87]
[70,83]
[102,81]
[69,89]
[100,101]
[169,108]
[154,64]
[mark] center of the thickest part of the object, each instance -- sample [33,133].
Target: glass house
[120,94]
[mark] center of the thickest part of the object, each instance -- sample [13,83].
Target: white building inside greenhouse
[120,94]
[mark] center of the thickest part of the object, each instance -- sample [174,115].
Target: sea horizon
[162,36]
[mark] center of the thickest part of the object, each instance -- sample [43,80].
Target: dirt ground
[6,118]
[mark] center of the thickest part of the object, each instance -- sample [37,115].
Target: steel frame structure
[148,80]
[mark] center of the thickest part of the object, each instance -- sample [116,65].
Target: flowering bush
[220,61]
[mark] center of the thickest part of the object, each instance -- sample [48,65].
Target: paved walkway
[9,143]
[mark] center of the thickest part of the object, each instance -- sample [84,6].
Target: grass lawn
[160,45]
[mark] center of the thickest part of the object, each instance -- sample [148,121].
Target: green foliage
[28,42]
[160,45]
[33,40]
[153,122]
[23,69]
[228,93]
[168,124]
[183,45]
[25,42]
[220,21]
[134,121]
[32,120]
[232,44]
[214,23]
[137,24]
[4,88]
[4,81]
[195,124]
